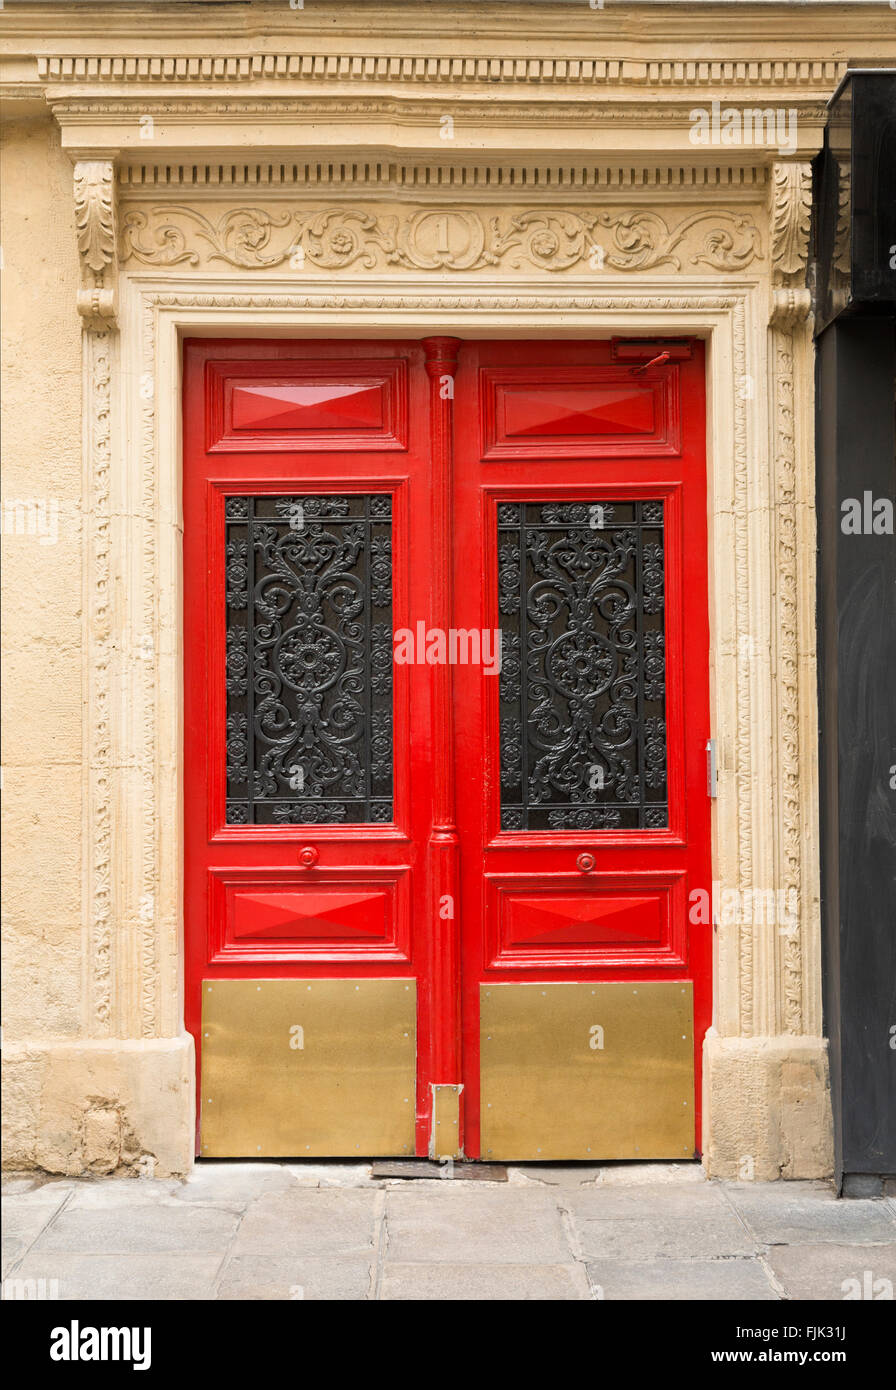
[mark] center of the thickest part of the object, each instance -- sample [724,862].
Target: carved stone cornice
[95,219]
[434,238]
[790,213]
[564,126]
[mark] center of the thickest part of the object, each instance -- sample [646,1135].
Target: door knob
[585,862]
[308,856]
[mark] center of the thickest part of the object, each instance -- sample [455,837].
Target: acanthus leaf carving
[333,238]
[170,246]
[790,215]
[98,710]
[240,238]
[437,238]
[95,219]
[791,303]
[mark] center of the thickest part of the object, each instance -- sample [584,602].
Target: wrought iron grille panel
[582,685]
[309,659]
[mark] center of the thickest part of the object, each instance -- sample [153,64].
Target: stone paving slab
[234,1184]
[606,1174]
[484,1282]
[649,1199]
[554,1174]
[481,1225]
[125,1194]
[824,1271]
[809,1212]
[690,1238]
[682,1280]
[313,1174]
[155,1277]
[625,1174]
[671,1222]
[303,1223]
[312,1231]
[270,1277]
[141,1228]
[23,1221]
[35,1188]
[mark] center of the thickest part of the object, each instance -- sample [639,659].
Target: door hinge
[711,778]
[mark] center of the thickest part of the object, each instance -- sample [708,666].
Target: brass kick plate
[587,1071]
[308,1068]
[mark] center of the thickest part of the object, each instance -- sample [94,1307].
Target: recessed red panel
[605,919]
[321,913]
[565,920]
[268,915]
[313,405]
[579,412]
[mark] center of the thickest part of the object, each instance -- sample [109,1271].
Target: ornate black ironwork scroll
[582,697]
[309,659]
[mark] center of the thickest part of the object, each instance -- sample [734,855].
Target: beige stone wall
[70,1105]
[42,636]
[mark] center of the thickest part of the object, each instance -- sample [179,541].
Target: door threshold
[454,1171]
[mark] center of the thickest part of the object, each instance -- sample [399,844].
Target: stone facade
[255,169]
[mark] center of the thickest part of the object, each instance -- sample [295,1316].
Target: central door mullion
[443,850]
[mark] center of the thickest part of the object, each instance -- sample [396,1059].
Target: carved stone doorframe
[732,275]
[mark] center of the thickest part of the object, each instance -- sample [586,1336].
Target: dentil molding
[341,66]
[354,176]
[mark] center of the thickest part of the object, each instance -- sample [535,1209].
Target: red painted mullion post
[443,850]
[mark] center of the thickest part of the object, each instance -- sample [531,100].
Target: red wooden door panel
[351,815]
[299,457]
[580,531]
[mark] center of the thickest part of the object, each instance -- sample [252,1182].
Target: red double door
[446,717]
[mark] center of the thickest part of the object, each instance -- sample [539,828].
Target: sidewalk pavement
[237,1230]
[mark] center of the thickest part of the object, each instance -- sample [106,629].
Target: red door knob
[308,856]
[585,862]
